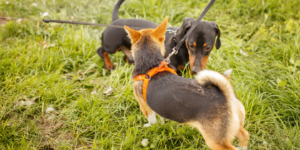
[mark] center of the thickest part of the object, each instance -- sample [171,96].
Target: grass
[56,66]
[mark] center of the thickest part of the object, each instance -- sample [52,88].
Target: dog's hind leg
[218,143]
[242,134]
[215,134]
[243,137]
[104,55]
[217,146]
[125,58]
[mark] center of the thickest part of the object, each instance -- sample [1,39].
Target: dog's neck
[146,56]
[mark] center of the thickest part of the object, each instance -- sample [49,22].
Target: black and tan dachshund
[196,49]
[207,102]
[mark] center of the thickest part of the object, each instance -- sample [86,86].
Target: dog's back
[184,100]
[118,35]
[113,38]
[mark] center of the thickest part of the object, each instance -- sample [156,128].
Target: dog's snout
[196,69]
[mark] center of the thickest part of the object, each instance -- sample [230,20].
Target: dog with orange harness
[207,102]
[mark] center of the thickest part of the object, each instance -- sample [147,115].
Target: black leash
[15,18]
[176,48]
[70,22]
[87,23]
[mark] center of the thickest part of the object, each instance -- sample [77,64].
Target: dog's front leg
[128,54]
[151,119]
[147,111]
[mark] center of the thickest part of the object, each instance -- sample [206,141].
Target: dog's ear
[185,26]
[218,43]
[227,74]
[133,34]
[159,32]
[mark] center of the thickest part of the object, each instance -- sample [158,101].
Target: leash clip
[174,51]
[167,60]
[171,31]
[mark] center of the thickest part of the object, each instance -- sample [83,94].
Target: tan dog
[207,103]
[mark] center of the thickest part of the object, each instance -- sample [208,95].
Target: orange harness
[162,67]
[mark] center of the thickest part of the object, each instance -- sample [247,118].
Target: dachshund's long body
[207,102]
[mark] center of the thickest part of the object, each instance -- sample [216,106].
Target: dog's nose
[195,69]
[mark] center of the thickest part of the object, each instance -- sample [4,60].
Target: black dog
[196,49]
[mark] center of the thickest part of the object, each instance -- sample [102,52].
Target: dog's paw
[109,66]
[147,125]
[152,118]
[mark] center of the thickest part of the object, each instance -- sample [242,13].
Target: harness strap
[145,83]
[146,78]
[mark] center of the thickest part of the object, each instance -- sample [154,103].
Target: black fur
[205,32]
[182,99]
[115,14]
[149,53]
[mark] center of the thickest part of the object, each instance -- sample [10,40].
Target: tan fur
[218,80]
[157,35]
[211,136]
[134,35]
[210,132]
[180,67]
[138,93]
[191,57]
[204,62]
[159,32]
[108,63]
[194,44]
[236,128]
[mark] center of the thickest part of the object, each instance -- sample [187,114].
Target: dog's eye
[192,46]
[208,48]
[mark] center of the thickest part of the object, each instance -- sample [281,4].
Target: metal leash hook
[168,59]
[176,48]
[171,31]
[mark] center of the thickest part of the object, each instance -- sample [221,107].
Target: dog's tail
[221,81]
[115,14]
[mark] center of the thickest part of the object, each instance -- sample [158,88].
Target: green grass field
[45,66]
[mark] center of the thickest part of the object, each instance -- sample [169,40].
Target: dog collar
[146,77]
